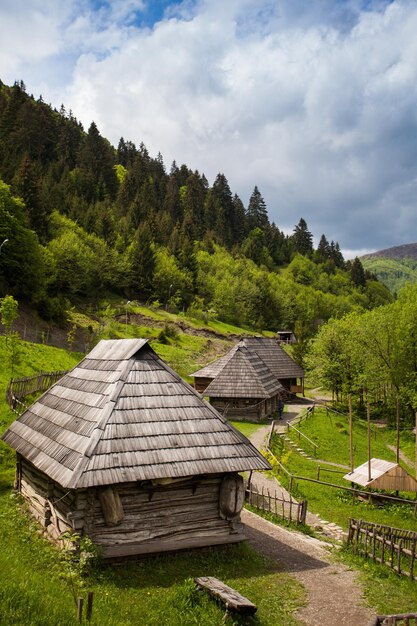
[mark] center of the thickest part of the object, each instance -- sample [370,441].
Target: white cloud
[313,102]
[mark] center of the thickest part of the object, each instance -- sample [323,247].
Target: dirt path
[403,457]
[334,597]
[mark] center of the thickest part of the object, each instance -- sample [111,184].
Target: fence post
[400,546]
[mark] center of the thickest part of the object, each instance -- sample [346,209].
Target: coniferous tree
[302,239]
[257,214]
[323,252]
[239,217]
[172,201]
[357,273]
[142,262]
[336,255]
[26,185]
[219,211]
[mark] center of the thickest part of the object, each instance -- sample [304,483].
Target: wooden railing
[393,547]
[300,434]
[20,388]
[284,507]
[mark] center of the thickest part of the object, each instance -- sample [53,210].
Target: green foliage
[115,221]
[371,351]
[9,308]
[393,273]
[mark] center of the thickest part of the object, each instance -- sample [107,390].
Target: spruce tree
[257,213]
[302,239]
[357,273]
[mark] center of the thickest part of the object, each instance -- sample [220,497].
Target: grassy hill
[394,267]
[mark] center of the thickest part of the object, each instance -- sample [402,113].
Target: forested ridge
[83,219]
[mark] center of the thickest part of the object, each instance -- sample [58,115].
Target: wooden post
[400,547]
[351,433]
[398,431]
[416,443]
[80,607]
[368,411]
[90,599]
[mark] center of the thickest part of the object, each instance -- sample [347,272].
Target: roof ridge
[99,429]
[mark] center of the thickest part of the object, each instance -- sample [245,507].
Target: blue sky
[313,101]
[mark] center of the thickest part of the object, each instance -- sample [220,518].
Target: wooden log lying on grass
[233,600]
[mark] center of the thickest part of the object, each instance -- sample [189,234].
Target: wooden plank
[135,549]
[231,598]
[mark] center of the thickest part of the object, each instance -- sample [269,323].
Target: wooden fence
[284,507]
[21,388]
[400,619]
[389,546]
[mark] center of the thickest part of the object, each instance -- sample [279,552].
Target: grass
[383,589]
[247,428]
[152,591]
[155,590]
[330,503]
[222,328]
[331,432]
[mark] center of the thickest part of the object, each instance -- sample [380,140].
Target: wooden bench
[232,599]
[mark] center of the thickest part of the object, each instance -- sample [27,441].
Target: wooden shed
[123,450]
[286,336]
[283,368]
[384,475]
[245,388]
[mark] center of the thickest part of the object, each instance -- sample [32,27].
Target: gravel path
[334,597]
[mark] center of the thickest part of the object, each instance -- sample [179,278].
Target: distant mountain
[394,267]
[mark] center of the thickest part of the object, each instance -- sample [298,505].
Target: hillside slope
[394,267]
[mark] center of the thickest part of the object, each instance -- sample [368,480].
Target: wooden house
[245,388]
[385,475]
[286,336]
[283,368]
[123,450]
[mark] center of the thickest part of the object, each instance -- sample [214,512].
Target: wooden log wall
[245,413]
[389,546]
[169,517]
[53,507]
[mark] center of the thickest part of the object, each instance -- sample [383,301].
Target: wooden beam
[232,599]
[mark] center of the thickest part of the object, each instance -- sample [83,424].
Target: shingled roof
[123,415]
[277,360]
[244,375]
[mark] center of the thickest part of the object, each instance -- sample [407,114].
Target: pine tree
[142,262]
[26,185]
[357,273]
[336,255]
[219,211]
[239,217]
[257,213]
[323,252]
[302,239]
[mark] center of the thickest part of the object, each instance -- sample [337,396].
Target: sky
[313,101]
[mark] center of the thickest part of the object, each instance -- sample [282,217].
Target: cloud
[313,102]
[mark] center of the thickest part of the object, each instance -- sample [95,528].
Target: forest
[84,219]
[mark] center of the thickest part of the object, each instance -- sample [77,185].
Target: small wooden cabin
[245,388]
[385,475]
[282,367]
[123,450]
[286,336]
